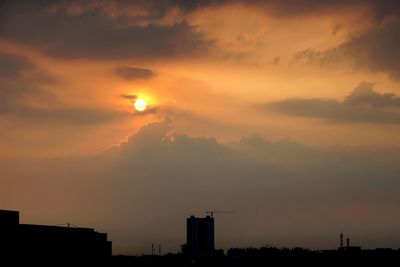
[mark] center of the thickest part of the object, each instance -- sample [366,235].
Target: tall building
[200,236]
[43,242]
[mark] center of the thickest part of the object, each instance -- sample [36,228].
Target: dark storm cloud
[374,50]
[362,105]
[135,73]
[94,34]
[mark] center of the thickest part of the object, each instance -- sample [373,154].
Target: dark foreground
[271,257]
[234,258]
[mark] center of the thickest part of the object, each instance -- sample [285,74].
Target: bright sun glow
[140,105]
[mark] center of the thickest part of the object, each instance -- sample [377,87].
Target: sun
[140,104]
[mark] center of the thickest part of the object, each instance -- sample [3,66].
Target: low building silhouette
[200,236]
[42,242]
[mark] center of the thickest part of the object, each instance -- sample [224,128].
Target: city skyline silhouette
[46,244]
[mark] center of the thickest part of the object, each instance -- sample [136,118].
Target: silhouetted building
[8,218]
[347,247]
[200,236]
[42,242]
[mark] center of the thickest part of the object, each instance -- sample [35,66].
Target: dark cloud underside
[69,116]
[377,9]
[89,29]
[364,95]
[130,97]
[95,34]
[20,79]
[375,50]
[135,73]
[11,64]
[363,105]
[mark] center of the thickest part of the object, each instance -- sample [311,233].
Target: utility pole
[341,240]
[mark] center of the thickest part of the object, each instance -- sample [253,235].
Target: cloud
[105,30]
[145,10]
[69,116]
[378,10]
[130,97]
[362,105]
[65,116]
[153,9]
[158,175]
[364,95]
[374,50]
[21,80]
[135,73]
[12,64]
[21,84]
[93,33]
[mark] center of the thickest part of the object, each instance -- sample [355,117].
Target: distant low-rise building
[49,242]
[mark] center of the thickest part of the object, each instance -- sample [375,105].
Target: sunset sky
[287,112]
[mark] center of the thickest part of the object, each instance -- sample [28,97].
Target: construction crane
[69,225]
[219,211]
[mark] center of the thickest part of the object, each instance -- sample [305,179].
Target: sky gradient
[286,111]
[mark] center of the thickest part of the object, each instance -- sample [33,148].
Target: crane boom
[219,211]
